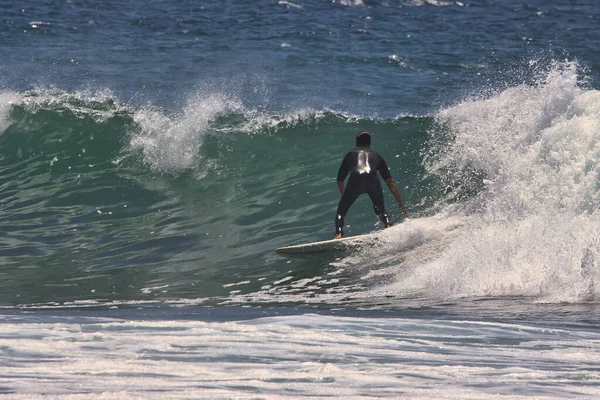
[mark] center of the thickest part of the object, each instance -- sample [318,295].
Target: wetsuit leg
[349,196]
[376,195]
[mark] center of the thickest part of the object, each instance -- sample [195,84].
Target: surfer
[363,163]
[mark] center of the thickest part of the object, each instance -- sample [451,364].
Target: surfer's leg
[350,195]
[376,195]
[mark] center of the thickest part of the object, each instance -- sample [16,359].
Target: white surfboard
[343,244]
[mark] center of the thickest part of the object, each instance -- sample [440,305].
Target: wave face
[106,202]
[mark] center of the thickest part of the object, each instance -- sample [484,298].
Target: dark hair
[363,139]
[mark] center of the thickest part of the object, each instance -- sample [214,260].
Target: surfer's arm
[343,173]
[394,189]
[341,186]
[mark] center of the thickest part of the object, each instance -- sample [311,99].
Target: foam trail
[533,229]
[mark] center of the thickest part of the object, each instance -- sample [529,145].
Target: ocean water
[153,154]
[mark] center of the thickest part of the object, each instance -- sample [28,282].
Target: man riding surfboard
[362,163]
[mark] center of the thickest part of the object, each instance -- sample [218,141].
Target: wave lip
[172,143]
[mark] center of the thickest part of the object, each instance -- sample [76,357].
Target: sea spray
[7,99]
[532,230]
[172,143]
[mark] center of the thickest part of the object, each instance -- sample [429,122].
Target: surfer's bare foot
[338,236]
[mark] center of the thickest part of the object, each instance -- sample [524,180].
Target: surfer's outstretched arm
[394,189]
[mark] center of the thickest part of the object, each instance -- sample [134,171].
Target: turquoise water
[153,156]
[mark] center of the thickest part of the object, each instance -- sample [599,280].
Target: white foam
[307,356]
[435,3]
[534,229]
[289,4]
[352,3]
[7,99]
[260,121]
[97,104]
[171,143]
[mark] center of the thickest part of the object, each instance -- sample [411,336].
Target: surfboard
[332,245]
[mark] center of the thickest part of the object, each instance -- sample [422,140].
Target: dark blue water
[373,58]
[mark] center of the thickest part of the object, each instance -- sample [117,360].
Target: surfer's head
[363,139]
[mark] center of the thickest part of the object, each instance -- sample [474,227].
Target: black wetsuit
[362,163]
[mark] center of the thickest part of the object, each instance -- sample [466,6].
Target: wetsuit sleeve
[343,171]
[384,170]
